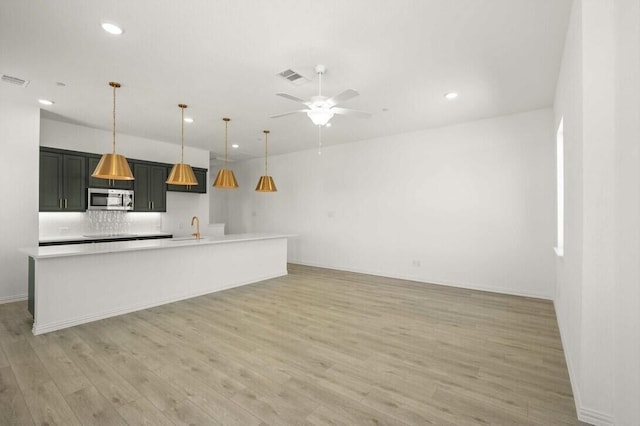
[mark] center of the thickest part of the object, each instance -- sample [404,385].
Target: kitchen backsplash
[97,222]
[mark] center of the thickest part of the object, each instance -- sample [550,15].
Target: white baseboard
[59,325]
[469,286]
[595,418]
[14,298]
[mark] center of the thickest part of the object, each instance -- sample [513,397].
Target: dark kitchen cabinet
[200,188]
[92,163]
[150,188]
[62,181]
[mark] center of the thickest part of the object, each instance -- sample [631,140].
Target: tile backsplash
[60,224]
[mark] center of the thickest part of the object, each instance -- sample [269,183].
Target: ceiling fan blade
[292,98]
[289,113]
[351,112]
[341,97]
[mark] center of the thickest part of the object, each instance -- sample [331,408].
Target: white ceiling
[221,58]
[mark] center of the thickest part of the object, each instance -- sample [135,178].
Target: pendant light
[182,174]
[113,166]
[266,183]
[225,178]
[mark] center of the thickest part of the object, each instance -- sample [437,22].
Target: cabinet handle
[60,203]
[152,205]
[149,204]
[65,203]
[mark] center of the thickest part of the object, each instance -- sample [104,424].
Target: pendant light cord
[182,135]
[113,128]
[226,123]
[266,141]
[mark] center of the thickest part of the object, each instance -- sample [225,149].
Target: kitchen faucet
[197,221]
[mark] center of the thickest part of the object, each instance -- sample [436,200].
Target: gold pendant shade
[266,183]
[113,166]
[181,173]
[225,178]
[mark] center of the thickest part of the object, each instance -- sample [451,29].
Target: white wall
[218,198]
[568,106]
[598,295]
[472,205]
[19,127]
[626,303]
[181,207]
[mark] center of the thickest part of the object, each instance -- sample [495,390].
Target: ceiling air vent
[293,77]
[14,80]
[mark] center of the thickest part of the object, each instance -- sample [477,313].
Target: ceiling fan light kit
[112,165]
[181,173]
[225,178]
[321,109]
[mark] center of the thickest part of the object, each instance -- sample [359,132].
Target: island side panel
[32,286]
[72,290]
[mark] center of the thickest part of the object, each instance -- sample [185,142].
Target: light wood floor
[314,347]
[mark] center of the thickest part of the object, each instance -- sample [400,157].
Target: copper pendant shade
[113,166]
[225,178]
[181,173]
[266,183]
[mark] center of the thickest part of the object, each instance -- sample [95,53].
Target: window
[560,187]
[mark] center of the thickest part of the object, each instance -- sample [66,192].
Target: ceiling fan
[320,109]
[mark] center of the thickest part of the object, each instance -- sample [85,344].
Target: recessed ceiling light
[46,102]
[61,84]
[451,95]
[235,145]
[188,120]
[112,28]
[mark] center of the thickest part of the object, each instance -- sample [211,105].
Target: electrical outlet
[416,263]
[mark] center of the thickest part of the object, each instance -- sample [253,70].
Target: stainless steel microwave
[109,199]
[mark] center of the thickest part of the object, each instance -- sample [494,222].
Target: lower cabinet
[150,188]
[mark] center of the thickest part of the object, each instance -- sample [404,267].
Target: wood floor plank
[315,347]
[142,412]
[48,406]
[91,408]
[67,376]
[13,408]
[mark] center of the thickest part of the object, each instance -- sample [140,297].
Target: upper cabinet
[200,188]
[62,181]
[92,163]
[66,175]
[150,188]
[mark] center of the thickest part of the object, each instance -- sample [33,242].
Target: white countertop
[123,246]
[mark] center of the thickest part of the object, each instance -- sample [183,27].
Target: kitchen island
[79,283]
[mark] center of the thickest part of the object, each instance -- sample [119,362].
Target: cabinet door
[142,173]
[73,183]
[201,187]
[50,182]
[92,163]
[158,188]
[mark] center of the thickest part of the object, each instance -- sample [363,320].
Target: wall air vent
[293,77]
[14,80]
